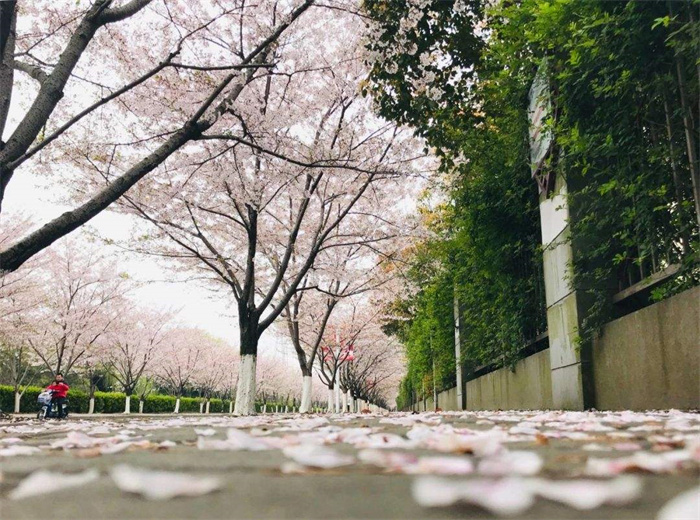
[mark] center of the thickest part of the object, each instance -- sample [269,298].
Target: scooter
[49,407]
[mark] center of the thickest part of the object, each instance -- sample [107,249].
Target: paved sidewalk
[280,466]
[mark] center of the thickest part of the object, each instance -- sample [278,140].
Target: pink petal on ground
[641,461]
[596,447]
[393,460]
[511,463]
[115,448]
[440,466]
[693,446]
[410,420]
[10,440]
[235,440]
[506,497]
[76,440]
[43,481]
[481,445]
[350,435]
[292,468]
[384,440]
[627,446]
[12,451]
[161,485]
[205,433]
[317,456]
[589,494]
[303,424]
[420,433]
[685,506]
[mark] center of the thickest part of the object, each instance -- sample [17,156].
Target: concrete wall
[528,388]
[447,400]
[651,358]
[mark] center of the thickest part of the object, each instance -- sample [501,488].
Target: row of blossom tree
[69,311]
[237,132]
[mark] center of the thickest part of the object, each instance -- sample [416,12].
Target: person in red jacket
[60,391]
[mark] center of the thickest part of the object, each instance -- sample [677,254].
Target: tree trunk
[177,405]
[689,138]
[18,398]
[248,326]
[330,400]
[140,405]
[345,402]
[127,404]
[245,391]
[306,385]
[91,402]
[201,406]
[337,399]
[230,406]
[206,410]
[8,20]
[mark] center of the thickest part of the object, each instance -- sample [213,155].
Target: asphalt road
[262,485]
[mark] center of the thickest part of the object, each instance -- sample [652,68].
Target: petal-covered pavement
[510,464]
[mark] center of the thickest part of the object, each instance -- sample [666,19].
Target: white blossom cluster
[385,51]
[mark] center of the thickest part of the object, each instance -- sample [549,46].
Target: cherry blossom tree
[91,366]
[377,366]
[338,346]
[276,381]
[181,359]
[217,363]
[304,166]
[144,387]
[134,348]
[84,292]
[21,296]
[18,363]
[20,291]
[341,273]
[187,68]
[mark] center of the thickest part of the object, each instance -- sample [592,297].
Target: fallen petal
[317,456]
[589,494]
[13,451]
[685,506]
[441,466]
[161,485]
[511,463]
[506,497]
[42,482]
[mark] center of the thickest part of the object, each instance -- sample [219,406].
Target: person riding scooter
[59,391]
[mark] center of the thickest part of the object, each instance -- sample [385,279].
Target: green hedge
[111,402]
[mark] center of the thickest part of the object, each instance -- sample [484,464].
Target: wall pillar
[571,367]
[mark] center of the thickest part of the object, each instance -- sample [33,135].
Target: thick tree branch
[8,20]
[33,71]
[121,13]
[15,256]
